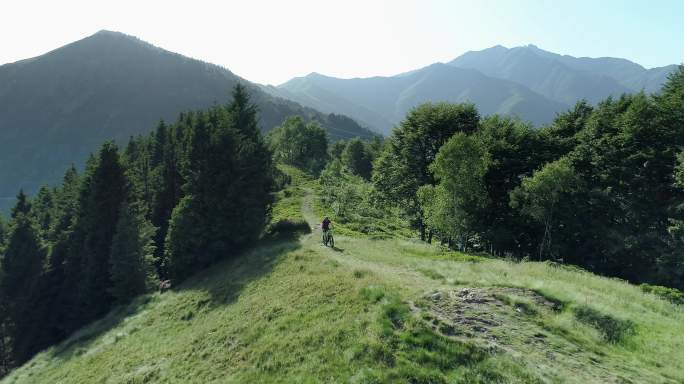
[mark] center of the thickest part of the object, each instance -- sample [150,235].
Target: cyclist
[325,226]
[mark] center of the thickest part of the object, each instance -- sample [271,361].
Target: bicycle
[328,238]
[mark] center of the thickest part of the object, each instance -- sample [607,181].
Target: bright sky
[273,41]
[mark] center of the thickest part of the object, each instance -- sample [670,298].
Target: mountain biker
[325,225]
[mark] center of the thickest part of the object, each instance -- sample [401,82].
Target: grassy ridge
[390,310]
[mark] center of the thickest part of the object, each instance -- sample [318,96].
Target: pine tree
[255,173]
[106,189]
[4,231]
[244,113]
[228,183]
[131,255]
[60,300]
[138,162]
[6,362]
[43,211]
[23,255]
[167,182]
[22,206]
[159,144]
[22,266]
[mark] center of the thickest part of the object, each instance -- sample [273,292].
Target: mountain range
[525,81]
[57,108]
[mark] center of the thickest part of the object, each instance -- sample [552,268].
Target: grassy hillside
[372,311]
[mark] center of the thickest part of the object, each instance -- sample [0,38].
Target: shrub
[289,226]
[613,330]
[373,294]
[672,295]
[431,273]
[280,179]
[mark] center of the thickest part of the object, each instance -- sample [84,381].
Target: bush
[372,294]
[289,226]
[613,330]
[673,295]
[280,179]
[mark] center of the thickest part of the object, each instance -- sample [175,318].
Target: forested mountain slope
[383,310]
[57,108]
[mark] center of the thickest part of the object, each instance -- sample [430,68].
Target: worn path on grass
[344,254]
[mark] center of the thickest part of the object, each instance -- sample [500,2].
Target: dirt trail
[347,257]
[308,212]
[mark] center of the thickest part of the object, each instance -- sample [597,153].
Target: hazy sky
[273,41]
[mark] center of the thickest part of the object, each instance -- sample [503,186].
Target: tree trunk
[5,360]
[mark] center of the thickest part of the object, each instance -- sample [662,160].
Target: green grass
[375,311]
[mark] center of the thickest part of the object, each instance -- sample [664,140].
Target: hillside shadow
[223,282]
[80,340]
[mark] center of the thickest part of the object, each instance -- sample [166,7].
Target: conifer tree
[3,234]
[63,264]
[22,266]
[228,183]
[106,189]
[5,342]
[22,206]
[131,255]
[167,184]
[43,211]
[159,144]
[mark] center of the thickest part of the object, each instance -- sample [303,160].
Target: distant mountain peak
[105,33]
[109,32]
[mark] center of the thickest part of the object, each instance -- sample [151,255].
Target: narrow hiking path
[345,254]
